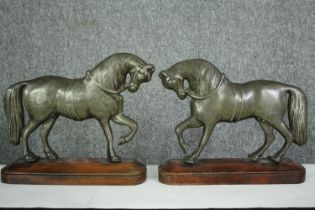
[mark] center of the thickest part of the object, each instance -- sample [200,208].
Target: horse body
[97,95]
[216,99]
[262,99]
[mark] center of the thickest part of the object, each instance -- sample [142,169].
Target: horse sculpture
[97,95]
[216,99]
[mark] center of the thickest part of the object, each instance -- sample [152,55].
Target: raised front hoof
[51,155]
[275,159]
[114,159]
[123,140]
[31,158]
[253,157]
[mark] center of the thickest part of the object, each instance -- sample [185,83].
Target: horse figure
[216,99]
[96,95]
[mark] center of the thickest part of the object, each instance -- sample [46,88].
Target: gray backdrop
[246,40]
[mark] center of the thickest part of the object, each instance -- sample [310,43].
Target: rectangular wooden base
[231,171]
[74,172]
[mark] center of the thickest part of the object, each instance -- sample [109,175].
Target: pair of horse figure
[97,95]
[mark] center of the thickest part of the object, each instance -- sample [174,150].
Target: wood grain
[74,172]
[231,171]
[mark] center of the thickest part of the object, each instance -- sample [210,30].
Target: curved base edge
[230,171]
[85,171]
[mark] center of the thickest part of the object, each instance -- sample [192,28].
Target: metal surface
[216,99]
[96,95]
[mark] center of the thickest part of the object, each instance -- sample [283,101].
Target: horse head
[203,78]
[173,81]
[138,75]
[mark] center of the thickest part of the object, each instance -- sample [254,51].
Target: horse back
[53,94]
[261,97]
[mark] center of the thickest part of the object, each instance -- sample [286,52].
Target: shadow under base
[231,171]
[90,171]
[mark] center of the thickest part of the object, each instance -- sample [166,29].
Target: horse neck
[195,84]
[110,77]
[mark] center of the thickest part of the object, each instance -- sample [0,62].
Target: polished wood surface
[231,171]
[74,172]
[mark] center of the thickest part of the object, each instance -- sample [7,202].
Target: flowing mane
[202,75]
[111,72]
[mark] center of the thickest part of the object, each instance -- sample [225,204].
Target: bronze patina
[216,99]
[96,95]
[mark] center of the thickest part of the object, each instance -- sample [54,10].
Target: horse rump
[13,108]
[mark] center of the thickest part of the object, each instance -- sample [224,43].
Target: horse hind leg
[269,138]
[44,132]
[288,137]
[27,130]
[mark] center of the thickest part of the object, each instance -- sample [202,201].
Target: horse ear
[163,74]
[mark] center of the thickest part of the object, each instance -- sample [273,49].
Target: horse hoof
[31,158]
[51,155]
[123,140]
[253,157]
[189,161]
[114,159]
[274,159]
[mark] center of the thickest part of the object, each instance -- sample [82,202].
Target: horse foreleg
[269,138]
[111,154]
[27,130]
[207,130]
[180,128]
[122,119]
[288,137]
[44,132]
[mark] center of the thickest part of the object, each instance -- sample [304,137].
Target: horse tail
[13,108]
[298,115]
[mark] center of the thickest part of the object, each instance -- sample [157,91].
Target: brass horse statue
[96,95]
[216,99]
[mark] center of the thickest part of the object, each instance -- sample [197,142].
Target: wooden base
[231,171]
[74,172]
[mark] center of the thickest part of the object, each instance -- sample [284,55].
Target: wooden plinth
[231,171]
[74,172]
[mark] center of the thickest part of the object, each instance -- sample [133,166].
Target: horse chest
[104,105]
[238,104]
[202,109]
[72,102]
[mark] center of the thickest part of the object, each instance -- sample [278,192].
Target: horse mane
[205,77]
[111,72]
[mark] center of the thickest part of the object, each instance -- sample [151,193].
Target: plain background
[246,40]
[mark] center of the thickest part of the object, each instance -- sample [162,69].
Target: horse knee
[134,127]
[178,130]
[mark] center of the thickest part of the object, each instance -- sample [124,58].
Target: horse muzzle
[181,94]
[132,87]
